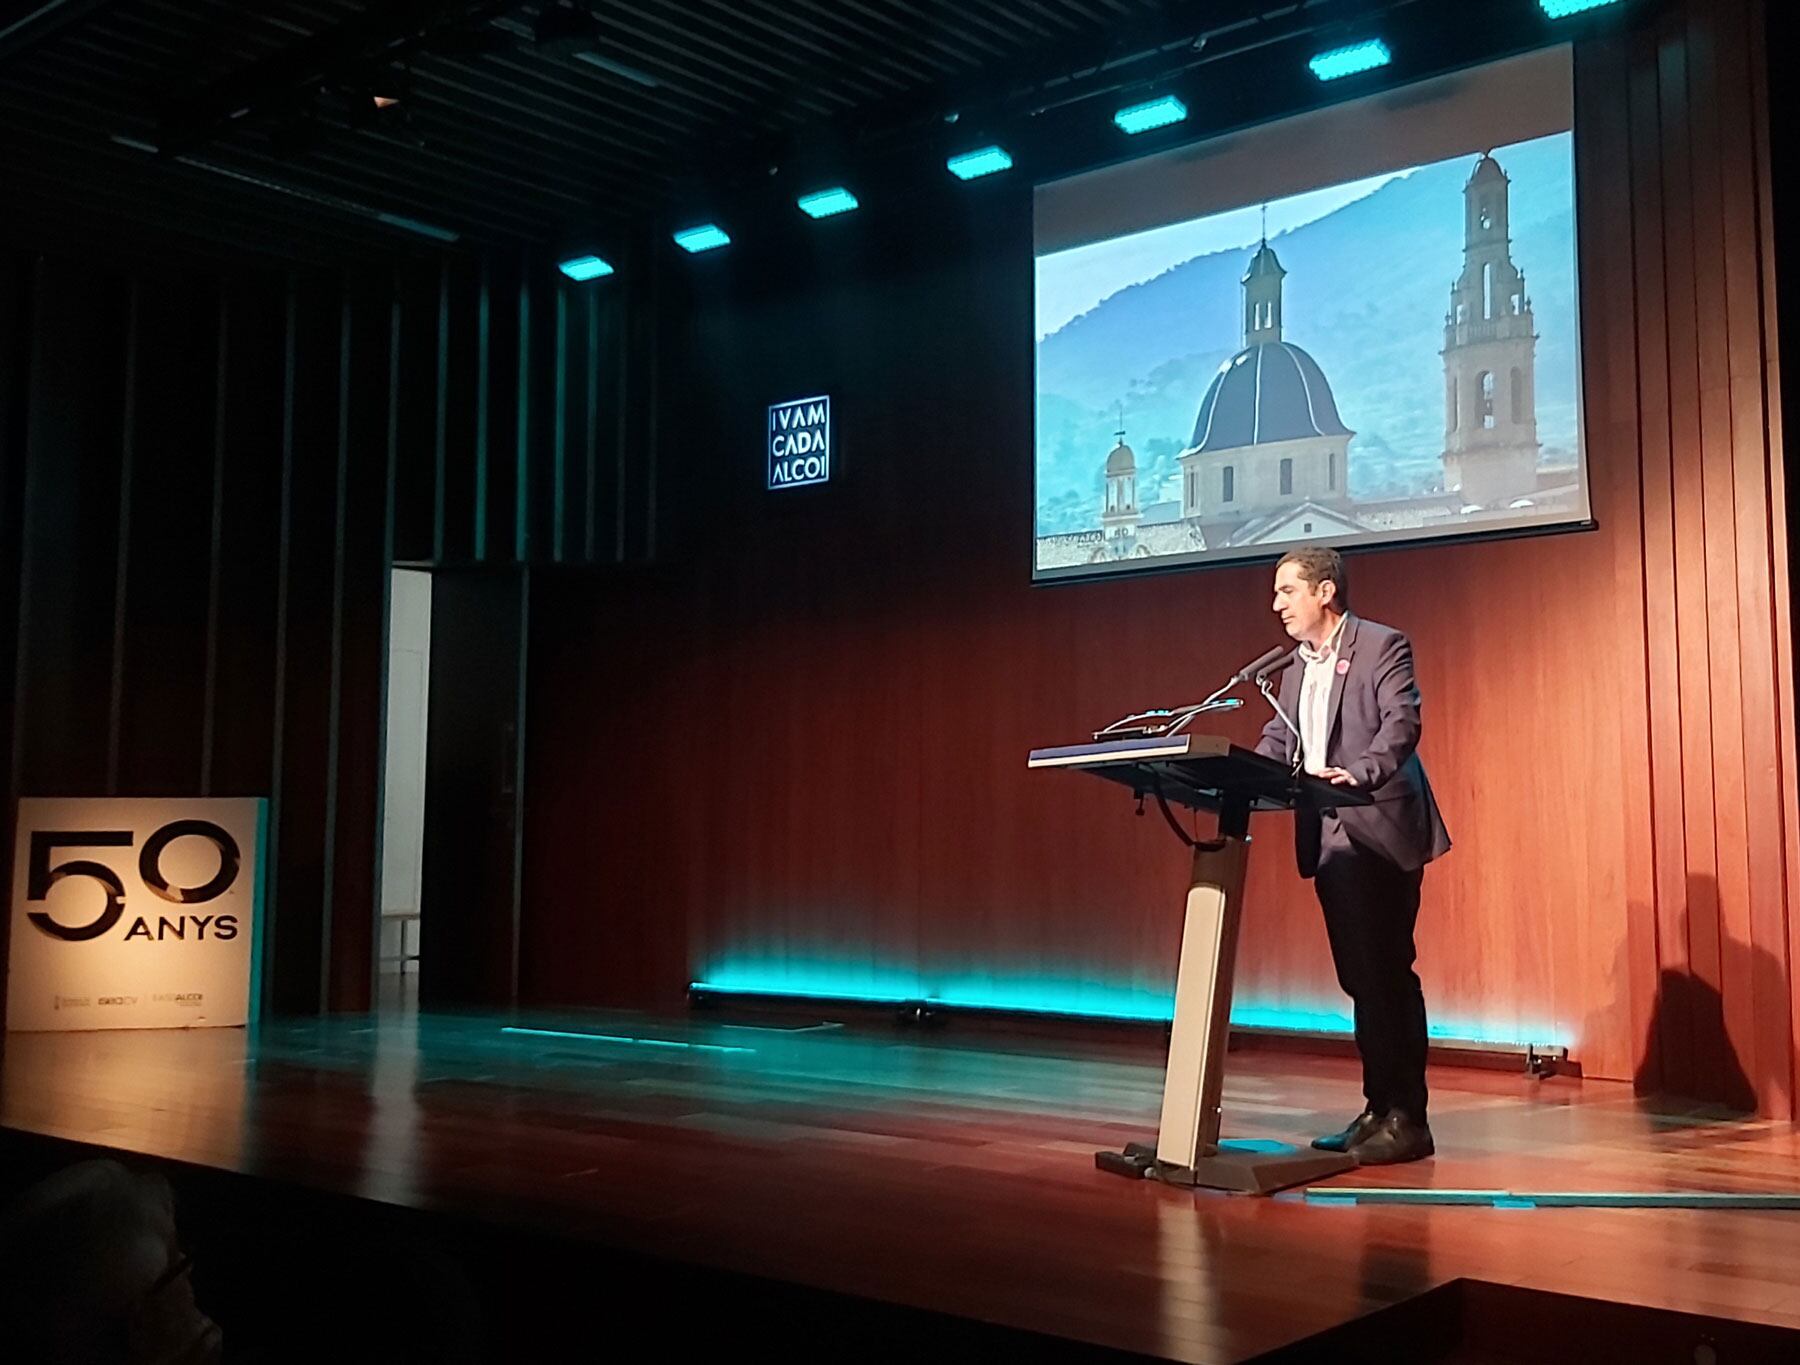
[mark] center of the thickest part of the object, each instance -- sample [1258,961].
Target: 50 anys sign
[134,913]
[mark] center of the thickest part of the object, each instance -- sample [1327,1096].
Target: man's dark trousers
[1370,909]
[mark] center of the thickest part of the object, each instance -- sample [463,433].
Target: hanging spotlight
[1159,113]
[983,161]
[1348,61]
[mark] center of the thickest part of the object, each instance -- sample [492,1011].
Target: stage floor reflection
[948,1169]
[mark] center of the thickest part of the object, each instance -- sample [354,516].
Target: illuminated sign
[800,442]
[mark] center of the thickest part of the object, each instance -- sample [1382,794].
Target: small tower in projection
[1119,514]
[1262,293]
[1490,349]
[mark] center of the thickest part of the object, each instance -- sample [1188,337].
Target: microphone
[1288,657]
[1263,664]
[1257,669]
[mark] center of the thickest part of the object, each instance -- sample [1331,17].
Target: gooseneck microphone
[1264,664]
[1175,721]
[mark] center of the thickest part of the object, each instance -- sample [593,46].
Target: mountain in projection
[1366,291]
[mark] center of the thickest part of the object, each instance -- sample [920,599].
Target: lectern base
[1242,1168]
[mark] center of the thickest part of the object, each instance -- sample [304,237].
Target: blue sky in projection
[1145,321]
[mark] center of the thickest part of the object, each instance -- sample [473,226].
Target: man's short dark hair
[1317,563]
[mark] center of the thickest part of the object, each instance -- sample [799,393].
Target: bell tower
[1490,350]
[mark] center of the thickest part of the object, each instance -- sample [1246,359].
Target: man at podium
[1349,713]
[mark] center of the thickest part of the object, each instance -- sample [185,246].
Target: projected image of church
[1345,412]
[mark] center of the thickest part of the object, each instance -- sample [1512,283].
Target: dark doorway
[473,789]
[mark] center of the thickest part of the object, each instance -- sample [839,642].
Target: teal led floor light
[1070,998]
[621,1038]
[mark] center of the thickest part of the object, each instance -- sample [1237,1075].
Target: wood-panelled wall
[858,671]
[203,485]
[1716,796]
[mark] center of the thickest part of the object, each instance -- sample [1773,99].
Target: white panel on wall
[403,819]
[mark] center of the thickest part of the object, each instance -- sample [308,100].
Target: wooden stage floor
[950,1170]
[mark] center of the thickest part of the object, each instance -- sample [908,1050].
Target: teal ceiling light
[827,203]
[1562,9]
[584,268]
[706,237]
[983,161]
[1349,61]
[1157,113]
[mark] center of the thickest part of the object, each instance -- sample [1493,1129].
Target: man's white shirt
[1315,698]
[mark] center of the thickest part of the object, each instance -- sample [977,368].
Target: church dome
[1272,391]
[1121,461]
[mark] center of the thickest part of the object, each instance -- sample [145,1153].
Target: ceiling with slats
[251,130]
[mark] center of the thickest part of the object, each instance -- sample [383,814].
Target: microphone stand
[1215,702]
[1181,717]
[1268,694]
[1218,701]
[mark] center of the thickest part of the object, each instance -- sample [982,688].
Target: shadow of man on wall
[1689,1051]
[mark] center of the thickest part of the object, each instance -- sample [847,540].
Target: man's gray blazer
[1373,733]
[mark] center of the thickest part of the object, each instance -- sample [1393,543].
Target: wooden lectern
[1207,772]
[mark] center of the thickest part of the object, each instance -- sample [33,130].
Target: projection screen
[1356,326]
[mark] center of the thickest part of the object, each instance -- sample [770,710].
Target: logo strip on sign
[800,442]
